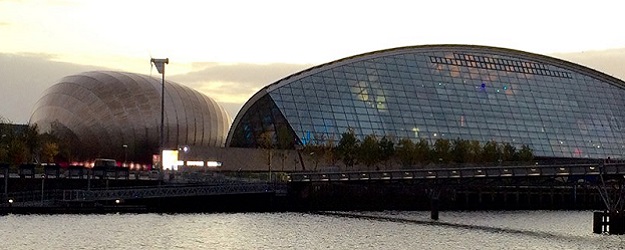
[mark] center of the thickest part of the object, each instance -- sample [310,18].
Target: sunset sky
[230,49]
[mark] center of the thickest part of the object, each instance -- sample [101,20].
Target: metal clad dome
[105,110]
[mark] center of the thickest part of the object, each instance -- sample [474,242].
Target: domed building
[118,115]
[558,108]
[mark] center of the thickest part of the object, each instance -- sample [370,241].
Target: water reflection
[364,230]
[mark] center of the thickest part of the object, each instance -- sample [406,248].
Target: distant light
[213,164]
[170,159]
[195,163]
[10,200]
[505,87]
[117,201]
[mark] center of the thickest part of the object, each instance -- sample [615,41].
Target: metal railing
[472,172]
[172,191]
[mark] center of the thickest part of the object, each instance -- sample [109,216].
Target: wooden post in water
[610,188]
[608,222]
[616,223]
[598,223]
[434,200]
[434,212]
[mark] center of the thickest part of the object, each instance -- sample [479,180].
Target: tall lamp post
[125,154]
[160,67]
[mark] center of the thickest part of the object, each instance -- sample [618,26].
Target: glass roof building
[558,108]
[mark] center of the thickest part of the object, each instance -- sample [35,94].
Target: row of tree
[372,151]
[23,144]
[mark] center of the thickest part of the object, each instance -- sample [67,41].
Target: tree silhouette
[387,146]
[49,147]
[526,154]
[422,151]
[265,141]
[442,151]
[406,152]
[286,141]
[509,153]
[347,148]
[369,151]
[491,152]
[460,150]
[474,152]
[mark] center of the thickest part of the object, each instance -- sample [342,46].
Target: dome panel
[109,109]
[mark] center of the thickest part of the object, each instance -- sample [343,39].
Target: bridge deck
[464,173]
[49,197]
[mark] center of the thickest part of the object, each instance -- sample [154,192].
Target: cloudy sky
[230,49]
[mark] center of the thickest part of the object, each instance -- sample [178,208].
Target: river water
[378,230]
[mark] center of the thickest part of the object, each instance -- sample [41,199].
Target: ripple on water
[377,230]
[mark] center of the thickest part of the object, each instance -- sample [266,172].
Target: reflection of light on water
[520,229]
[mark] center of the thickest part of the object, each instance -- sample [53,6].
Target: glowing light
[213,164]
[170,159]
[416,132]
[195,163]
[577,152]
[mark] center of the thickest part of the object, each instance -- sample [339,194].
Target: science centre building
[118,115]
[557,108]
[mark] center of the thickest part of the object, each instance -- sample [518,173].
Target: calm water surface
[404,230]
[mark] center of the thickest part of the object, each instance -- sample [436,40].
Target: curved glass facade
[558,108]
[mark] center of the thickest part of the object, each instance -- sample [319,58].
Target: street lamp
[125,153]
[160,67]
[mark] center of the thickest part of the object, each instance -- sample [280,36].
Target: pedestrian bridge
[464,173]
[50,197]
[172,191]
